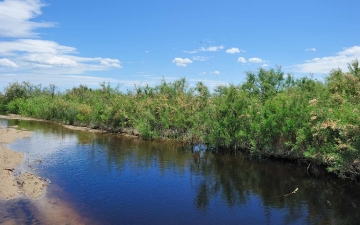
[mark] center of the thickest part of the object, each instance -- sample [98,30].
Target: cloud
[255,60]
[48,59]
[109,62]
[200,58]
[191,52]
[33,46]
[15,16]
[208,49]
[234,50]
[212,48]
[264,65]
[35,54]
[311,49]
[7,63]
[213,72]
[27,55]
[328,63]
[241,60]
[182,62]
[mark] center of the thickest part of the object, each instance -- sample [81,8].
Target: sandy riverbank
[26,183]
[128,133]
[42,208]
[17,117]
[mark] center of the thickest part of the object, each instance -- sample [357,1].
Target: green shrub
[271,114]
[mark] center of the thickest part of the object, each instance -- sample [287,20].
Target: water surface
[109,179]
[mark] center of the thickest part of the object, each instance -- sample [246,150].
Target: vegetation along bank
[270,114]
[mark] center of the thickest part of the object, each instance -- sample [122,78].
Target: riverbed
[99,178]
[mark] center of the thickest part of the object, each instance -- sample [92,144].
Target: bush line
[271,114]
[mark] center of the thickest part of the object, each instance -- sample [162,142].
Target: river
[110,179]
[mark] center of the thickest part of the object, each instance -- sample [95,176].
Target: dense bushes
[271,114]
[2,103]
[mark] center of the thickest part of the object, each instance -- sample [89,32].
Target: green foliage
[20,90]
[267,83]
[354,68]
[270,114]
[2,103]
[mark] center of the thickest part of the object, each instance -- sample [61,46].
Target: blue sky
[68,43]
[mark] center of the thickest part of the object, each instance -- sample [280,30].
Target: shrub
[271,114]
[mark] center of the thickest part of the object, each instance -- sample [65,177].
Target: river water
[108,179]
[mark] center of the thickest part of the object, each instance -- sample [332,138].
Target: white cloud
[255,60]
[200,58]
[353,51]
[27,55]
[208,49]
[212,48]
[35,54]
[7,63]
[48,59]
[109,62]
[191,52]
[241,60]
[311,49]
[15,16]
[182,62]
[234,50]
[212,72]
[33,46]
[328,63]
[264,65]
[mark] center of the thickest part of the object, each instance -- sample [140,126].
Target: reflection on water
[118,180]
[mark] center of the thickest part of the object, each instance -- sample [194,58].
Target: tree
[354,68]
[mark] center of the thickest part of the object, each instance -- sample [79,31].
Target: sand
[129,132]
[10,134]
[26,183]
[37,207]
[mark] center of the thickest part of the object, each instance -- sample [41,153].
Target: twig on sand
[289,193]
[9,169]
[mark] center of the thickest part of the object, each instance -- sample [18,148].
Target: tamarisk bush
[271,114]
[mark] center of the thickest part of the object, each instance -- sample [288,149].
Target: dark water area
[111,179]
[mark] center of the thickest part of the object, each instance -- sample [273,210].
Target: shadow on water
[120,180]
[18,212]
